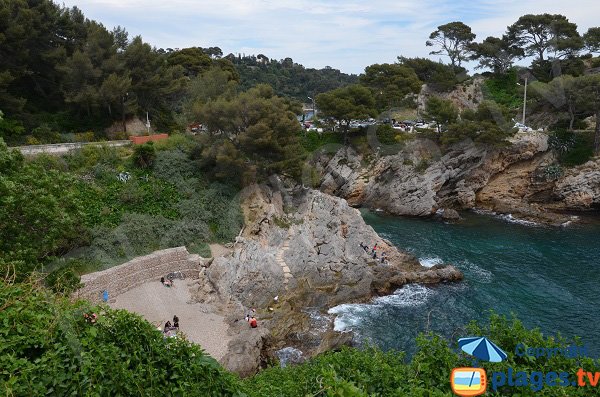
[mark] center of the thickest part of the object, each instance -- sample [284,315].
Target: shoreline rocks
[420,181]
[310,257]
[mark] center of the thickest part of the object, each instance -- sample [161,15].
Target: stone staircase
[287,274]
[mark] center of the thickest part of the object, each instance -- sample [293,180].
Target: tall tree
[495,54]
[193,60]
[346,104]
[454,39]
[390,84]
[592,39]
[259,135]
[540,35]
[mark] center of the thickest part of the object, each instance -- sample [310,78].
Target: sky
[344,34]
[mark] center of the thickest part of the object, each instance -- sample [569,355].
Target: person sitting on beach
[168,283]
[175,321]
[253,323]
[162,280]
[383,257]
[167,326]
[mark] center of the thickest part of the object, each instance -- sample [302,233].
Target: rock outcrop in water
[303,247]
[419,180]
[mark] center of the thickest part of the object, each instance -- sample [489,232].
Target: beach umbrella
[482,348]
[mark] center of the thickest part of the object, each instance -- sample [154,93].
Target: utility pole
[314,109]
[524,101]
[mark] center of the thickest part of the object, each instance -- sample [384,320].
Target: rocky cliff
[301,251]
[419,180]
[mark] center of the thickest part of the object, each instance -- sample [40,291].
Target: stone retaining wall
[122,278]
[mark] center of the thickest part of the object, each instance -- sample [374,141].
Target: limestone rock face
[303,247]
[580,186]
[418,180]
[244,351]
[312,255]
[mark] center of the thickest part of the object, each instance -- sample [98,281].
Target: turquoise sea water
[548,277]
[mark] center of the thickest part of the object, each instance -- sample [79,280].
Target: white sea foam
[409,295]
[430,261]
[481,275]
[289,355]
[505,217]
[512,219]
[350,315]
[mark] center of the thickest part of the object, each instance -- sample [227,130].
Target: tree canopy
[545,34]
[495,54]
[453,40]
[390,84]
[353,102]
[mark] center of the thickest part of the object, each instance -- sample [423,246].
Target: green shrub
[386,134]
[64,280]
[90,156]
[574,148]
[174,166]
[312,140]
[144,155]
[11,131]
[179,142]
[504,90]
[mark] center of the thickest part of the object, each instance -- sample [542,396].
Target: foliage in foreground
[49,349]
[370,372]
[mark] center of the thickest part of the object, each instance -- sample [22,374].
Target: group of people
[90,318]
[373,253]
[172,327]
[167,282]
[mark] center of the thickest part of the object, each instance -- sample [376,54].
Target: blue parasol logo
[482,348]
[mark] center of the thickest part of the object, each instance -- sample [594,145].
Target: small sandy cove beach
[158,304]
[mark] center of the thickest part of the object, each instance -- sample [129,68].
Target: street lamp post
[314,109]
[524,101]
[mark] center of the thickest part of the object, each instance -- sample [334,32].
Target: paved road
[63,148]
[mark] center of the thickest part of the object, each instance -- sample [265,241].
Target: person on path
[175,321]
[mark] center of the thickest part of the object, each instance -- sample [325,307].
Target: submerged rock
[450,214]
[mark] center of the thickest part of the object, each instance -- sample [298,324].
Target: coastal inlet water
[548,277]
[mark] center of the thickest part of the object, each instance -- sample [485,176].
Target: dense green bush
[504,90]
[174,166]
[312,140]
[573,148]
[144,155]
[48,348]
[40,213]
[107,199]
